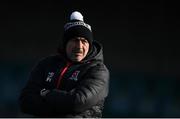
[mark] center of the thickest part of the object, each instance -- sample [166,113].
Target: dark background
[141,50]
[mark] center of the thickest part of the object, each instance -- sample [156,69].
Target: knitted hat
[76,27]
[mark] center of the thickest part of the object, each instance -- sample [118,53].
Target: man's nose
[79,44]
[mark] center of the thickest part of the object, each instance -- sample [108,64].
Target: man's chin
[77,59]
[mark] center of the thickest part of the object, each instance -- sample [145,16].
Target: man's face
[77,49]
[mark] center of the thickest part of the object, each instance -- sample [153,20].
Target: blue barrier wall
[131,94]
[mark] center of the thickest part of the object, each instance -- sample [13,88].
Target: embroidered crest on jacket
[74,75]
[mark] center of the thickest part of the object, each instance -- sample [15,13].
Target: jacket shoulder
[97,64]
[97,69]
[50,59]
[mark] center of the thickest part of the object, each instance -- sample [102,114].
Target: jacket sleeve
[91,89]
[30,100]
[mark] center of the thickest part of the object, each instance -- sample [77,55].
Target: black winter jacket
[79,92]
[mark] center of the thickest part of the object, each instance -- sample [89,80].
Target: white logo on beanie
[69,25]
[76,16]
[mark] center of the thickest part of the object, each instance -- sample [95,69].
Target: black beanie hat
[76,27]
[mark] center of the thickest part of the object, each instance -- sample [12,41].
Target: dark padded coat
[79,92]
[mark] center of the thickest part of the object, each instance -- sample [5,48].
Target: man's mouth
[77,52]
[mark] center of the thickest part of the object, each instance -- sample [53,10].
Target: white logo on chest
[49,77]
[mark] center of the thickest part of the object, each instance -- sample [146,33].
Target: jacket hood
[96,52]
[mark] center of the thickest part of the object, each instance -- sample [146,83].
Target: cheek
[68,49]
[86,49]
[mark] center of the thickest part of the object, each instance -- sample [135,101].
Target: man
[73,83]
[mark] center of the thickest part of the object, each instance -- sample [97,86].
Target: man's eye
[84,41]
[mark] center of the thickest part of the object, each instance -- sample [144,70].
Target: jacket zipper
[62,74]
